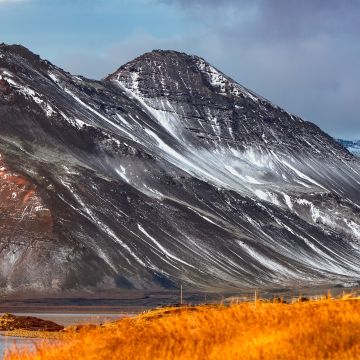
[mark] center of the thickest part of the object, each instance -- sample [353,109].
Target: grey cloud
[306,18]
[285,18]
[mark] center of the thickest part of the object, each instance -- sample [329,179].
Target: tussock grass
[321,329]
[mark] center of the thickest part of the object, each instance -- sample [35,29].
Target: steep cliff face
[166,172]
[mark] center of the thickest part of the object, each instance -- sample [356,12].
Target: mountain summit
[165,172]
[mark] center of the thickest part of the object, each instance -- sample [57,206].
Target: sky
[302,55]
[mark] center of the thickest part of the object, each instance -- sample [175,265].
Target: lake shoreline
[36,335]
[133,302]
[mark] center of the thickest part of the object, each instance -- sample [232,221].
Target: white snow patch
[162,249]
[26,91]
[288,202]
[222,83]
[354,227]
[303,176]
[265,261]
[202,216]
[122,173]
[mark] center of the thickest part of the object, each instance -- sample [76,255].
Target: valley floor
[318,329]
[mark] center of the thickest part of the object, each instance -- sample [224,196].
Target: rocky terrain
[166,172]
[10,322]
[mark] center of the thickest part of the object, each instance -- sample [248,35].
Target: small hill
[10,322]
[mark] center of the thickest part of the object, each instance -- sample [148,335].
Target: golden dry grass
[325,329]
[55,335]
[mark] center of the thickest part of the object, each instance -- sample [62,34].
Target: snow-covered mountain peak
[352,145]
[167,171]
[178,72]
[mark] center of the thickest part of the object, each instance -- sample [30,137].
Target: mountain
[352,146]
[165,172]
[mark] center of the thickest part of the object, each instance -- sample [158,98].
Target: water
[10,342]
[61,319]
[71,319]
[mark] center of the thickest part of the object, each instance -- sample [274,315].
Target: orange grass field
[322,329]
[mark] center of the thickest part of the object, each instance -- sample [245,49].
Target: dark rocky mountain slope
[165,172]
